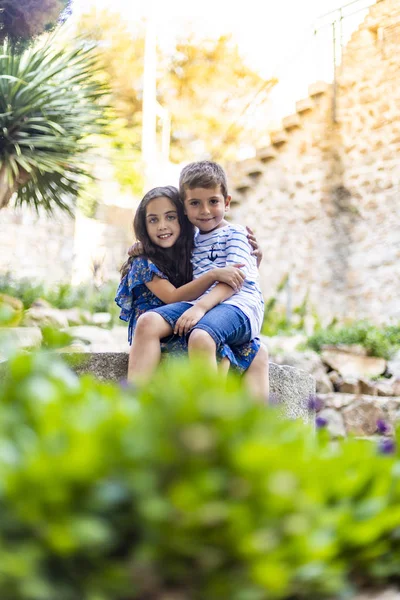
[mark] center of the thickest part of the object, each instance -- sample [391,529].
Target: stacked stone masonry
[324,196]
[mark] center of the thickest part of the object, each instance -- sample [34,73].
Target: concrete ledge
[290,387]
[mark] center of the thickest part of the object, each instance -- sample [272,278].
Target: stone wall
[324,196]
[62,248]
[36,246]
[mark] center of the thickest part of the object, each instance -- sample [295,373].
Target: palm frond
[51,102]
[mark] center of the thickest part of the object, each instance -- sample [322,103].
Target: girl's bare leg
[145,353]
[223,367]
[256,377]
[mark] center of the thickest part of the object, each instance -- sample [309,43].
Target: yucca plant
[50,103]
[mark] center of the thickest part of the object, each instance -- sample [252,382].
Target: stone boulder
[289,387]
[352,365]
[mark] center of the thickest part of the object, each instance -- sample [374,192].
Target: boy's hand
[232,276]
[188,320]
[136,249]
[257,252]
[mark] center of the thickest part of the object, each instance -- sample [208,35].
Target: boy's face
[205,208]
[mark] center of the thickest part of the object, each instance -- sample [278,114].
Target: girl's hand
[188,320]
[257,252]
[232,276]
[136,249]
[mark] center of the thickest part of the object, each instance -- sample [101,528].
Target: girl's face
[162,223]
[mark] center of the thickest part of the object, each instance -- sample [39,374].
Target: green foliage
[183,488]
[49,106]
[22,21]
[379,341]
[63,295]
[276,318]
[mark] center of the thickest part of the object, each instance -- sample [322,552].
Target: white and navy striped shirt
[226,247]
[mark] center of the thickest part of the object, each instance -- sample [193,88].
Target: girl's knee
[149,323]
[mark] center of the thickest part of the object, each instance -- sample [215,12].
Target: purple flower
[273,399]
[315,403]
[386,446]
[382,427]
[126,385]
[321,422]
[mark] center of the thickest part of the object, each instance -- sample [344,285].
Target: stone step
[289,387]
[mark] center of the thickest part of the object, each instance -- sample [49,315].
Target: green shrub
[183,487]
[63,295]
[378,341]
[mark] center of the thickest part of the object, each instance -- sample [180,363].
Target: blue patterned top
[134,298]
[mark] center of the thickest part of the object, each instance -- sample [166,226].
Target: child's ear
[227,203]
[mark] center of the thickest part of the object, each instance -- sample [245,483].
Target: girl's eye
[153,220]
[171,218]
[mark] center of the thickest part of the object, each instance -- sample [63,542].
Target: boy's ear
[228,202]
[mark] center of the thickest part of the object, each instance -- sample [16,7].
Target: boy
[220,315]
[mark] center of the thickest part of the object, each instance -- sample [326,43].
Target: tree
[49,106]
[208,89]
[22,21]
[205,85]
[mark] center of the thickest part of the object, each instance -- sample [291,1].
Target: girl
[163,274]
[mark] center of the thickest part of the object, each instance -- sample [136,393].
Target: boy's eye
[194,203]
[214,201]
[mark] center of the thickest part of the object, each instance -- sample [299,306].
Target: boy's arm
[237,249]
[193,315]
[168,293]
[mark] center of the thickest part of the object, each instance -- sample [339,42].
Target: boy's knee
[201,340]
[149,323]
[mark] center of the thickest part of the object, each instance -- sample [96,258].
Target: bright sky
[275,37]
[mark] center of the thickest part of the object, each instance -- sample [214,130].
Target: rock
[393,365]
[361,417]
[22,337]
[290,387]
[99,339]
[41,303]
[335,424]
[44,316]
[323,383]
[310,362]
[101,318]
[350,348]
[337,400]
[283,344]
[368,387]
[336,379]
[354,365]
[349,386]
[77,316]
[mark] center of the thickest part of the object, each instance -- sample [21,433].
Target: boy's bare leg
[202,344]
[145,353]
[256,377]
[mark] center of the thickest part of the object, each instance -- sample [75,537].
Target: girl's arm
[193,315]
[168,293]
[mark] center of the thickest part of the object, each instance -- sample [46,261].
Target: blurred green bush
[381,341]
[63,295]
[182,489]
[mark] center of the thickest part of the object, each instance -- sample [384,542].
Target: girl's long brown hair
[174,262]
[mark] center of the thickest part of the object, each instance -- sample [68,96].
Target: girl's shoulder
[142,270]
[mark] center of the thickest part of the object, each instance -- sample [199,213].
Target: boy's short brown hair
[202,174]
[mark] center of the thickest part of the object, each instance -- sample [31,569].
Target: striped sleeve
[238,250]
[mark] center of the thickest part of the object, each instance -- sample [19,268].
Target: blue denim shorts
[225,323]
